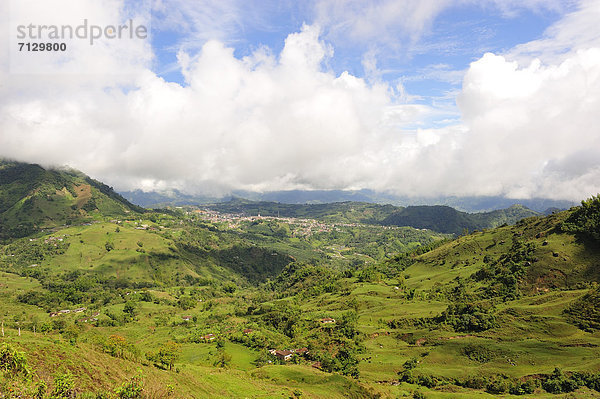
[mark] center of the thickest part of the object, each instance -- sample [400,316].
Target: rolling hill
[445,219]
[442,219]
[170,305]
[32,198]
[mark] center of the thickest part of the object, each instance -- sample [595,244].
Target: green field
[188,307]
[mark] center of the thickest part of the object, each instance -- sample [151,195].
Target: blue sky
[429,65]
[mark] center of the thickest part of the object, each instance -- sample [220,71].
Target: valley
[100,298]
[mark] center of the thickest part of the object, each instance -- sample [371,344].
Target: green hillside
[443,219]
[171,304]
[448,220]
[33,198]
[348,212]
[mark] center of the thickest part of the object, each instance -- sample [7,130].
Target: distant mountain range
[443,219]
[32,198]
[467,204]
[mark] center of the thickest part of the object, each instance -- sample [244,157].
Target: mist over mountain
[155,199]
[32,198]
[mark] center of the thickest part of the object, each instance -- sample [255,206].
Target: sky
[411,97]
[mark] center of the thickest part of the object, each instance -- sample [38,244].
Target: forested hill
[345,212]
[32,197]
[443,219]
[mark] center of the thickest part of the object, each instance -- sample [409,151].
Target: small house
[284,355]
[327,320]
[209,337]
[301,351]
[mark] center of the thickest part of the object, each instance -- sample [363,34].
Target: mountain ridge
[440,218]
[154,199]
[33,197]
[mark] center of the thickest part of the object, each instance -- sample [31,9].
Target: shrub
[498,385]
[585,219]
[558,382]
[585,312]
[116,346]
[406,376]
[410,363]
[477,382]
[13,362]
[64,387]
[427,381]
[522,388]
[131,389]
[166,355]
[467,318]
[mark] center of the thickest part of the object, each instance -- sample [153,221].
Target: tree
[115,346]
[585,219]
[222,358]
[346,324]
[130,311]
[109,246]
[186,303]
[166,355]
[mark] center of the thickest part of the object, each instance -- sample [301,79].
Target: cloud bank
[527,126]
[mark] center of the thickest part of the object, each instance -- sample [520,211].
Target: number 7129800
[42,46]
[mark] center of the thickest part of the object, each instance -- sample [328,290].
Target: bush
[480,353]
[585,312]
[13,362]
[478,382]
[585,219]
[557,382]
[498,385]
[467,318]
[131,389]
[64,387]
[410,363]
[118,346]
[166,355]
[406,376]
[522,388]
[427,381]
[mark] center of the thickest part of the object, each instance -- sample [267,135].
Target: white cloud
[525,122]
[281,121]
[400,23]
[199,20]
[255,123]
[575,31]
